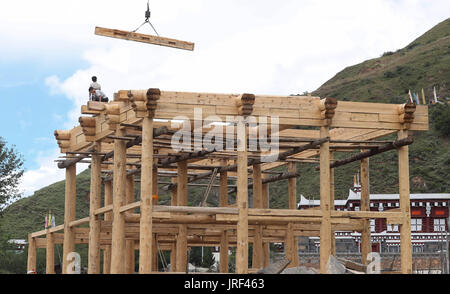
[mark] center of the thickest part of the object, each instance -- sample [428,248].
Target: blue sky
[48,52]
[30,113]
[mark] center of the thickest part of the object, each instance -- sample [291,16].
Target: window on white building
[392,228]
[416,224]
[372,225]
[439,224]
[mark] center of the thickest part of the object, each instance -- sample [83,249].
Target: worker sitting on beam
[97,95]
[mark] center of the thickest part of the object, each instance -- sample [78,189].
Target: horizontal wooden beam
[149,39]
[372,152]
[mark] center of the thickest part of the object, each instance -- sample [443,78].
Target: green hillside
[422,64]
[425,63]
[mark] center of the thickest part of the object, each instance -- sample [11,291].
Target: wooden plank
[150,39]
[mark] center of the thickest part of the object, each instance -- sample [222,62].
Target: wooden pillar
[108,217]
[181,250]
[155,253]
[69,215]
[405,203]
[333,235]
[94,220]
[292,191]
[223,202]
[292,186]
[224,247]
[173,258]
[146,222]
[223,190]
[366,245]
[50,254]
[290,249]
[242,199]
[258,255]
[119,200]
[257,203]
[31,263]
[265,203]
[325,205]
[155,191]
[129,244]
[182,187]
[174,194]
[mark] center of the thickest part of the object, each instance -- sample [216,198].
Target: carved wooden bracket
[245,104]
[88,124]
[144,103]
[327,108]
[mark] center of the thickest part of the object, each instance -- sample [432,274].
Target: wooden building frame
[130,138]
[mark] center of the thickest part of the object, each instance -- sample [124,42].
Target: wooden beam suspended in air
[150,39]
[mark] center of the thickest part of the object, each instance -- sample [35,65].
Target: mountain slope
[422,64]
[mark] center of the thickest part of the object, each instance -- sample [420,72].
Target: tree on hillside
[11,163]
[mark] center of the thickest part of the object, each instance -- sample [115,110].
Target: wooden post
[173,258]
[119,200]
[242,199]
[292,186]
[325,205]
[94,220]
[366,246]
[31,263]
[182,188]
[69,215]
[182,200]
[265,203]
[181,252]
[174,193]
[129,244]
[224,247]
[155,253]
[333,235]
[292,191]
[223,190]
[146,223]
[50,254]
[258,255]
[405,202]
[223,199]
[108,217]
[257,203]
[155,183]
[291,250]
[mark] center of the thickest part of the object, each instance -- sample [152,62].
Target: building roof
[356,196]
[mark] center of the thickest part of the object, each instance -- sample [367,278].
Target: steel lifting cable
[147,20]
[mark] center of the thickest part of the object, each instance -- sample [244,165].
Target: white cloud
[264,47]
[46,174]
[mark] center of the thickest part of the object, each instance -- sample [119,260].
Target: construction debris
[275,268]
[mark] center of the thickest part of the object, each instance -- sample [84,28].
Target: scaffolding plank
[150,39]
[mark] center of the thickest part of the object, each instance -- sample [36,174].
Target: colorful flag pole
[410,97]
[423,97]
